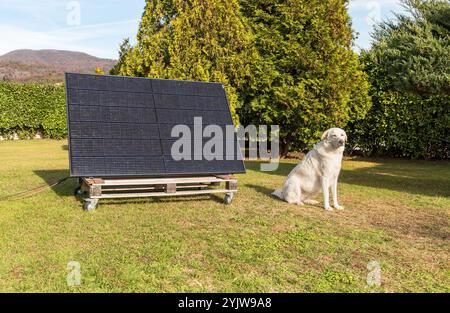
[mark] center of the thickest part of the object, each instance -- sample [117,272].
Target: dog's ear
[345,136]
[325,135]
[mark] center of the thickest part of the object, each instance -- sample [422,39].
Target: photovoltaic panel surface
[122,126]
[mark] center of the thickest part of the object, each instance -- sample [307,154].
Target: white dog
[319,170]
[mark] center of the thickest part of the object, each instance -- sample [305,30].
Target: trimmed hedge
[26,109]
[404,125]
[397,125]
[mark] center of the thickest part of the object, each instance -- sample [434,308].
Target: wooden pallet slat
[159,181]
[99,188]
[163,194]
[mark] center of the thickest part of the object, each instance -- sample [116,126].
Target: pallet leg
[231,185]
[95,191]
[171,188]
[78,190]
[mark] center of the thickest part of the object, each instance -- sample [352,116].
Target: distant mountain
[48,65]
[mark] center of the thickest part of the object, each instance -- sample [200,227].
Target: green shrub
[308,78]
[404,125]
[409,72]
[192,40]
[28,108]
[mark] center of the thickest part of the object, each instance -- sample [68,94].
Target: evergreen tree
[308,78]
[124,49]
[409,71]
[413,51]
[195,40]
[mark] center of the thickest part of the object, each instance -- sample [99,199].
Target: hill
[48,65]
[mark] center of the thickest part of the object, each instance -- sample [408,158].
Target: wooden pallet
[109,188]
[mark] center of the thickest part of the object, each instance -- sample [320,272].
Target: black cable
[33,191]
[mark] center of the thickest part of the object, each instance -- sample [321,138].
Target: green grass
[397,213]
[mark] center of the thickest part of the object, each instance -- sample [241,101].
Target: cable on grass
[33,191]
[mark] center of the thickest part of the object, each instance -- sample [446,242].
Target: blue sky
[98,26]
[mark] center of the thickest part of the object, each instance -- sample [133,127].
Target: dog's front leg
[334,192]
[326,195]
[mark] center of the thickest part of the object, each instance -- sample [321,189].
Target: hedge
[404,125]
[397,125]
[26,109]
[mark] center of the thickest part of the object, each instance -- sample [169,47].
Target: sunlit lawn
[397,214]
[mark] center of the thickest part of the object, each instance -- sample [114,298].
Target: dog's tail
[278,193]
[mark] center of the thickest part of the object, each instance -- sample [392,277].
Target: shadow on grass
[428,178]
[51,177]
[283,168]
[420,179]
[162,200]
[415,177]
[262,190]
[68,187]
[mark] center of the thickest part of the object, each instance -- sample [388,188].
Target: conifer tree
[193,40]
[124,49]
[413,51]
[285,62]
[409,71]
[309,78]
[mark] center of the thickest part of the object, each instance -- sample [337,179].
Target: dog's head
[336,137]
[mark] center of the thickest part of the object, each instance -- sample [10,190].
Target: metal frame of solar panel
[121,126]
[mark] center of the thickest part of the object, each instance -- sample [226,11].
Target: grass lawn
[397,213]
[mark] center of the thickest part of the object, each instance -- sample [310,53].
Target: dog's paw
[311,202]
[328,208]
[338,207]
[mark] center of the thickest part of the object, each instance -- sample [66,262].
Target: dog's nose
[341,141]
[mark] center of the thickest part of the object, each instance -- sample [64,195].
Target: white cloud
[72,38]
[27,5]
[366,13]
[383,3]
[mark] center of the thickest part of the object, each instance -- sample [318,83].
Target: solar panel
[122,126]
